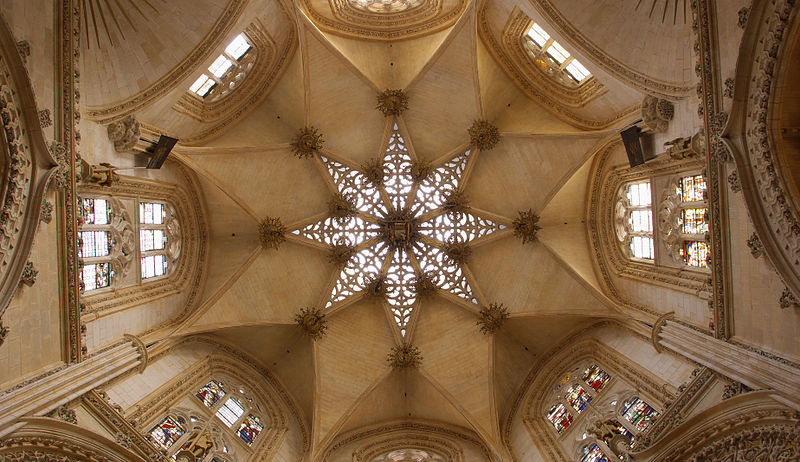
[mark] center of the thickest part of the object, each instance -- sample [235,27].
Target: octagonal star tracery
[399,229]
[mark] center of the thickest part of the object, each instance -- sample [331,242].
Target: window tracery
[401,228]
[683,220]
[106,242]
[633,220]
[608,420]
[218,417]
[159,238]
[227,71]
[553,58]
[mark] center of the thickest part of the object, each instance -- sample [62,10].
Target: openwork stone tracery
[399,228]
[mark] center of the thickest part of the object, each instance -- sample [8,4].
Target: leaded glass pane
[152,239]
[94,243]
[592,453]
[220,66]
[641,221]
[238,47]
[96,211]
[578,398]
[695,253]
[596,378]
[538,35]
[642,247]
[639,194]
[153,266]
[557,52]
[577,70]
[639,413]
[250,428]
[211,393]
[230,412]
[559,417]
[95,276]
[168,431]
[152,213]
[692,188]
[693,221]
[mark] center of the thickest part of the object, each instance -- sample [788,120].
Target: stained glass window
[230,411]
[95,211]
[692,188]
[693,221]
[250,428]
[596,378]
[578,398]
[95,275]
[639,413]
[168,431]
[211,393]
[622,430]
[559,417]
[592,453]
[695,253]
[638,227]
[642,247]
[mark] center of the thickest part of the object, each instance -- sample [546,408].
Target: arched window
[107,241]
[224,419]
[168,431]
[684,216]
[607,421]
[227,71]
[385,6]
[634,220]
[553,58]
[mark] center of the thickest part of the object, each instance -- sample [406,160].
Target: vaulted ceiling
[329,78]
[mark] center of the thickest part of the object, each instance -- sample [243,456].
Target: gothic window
[559,417]
[553,58]
[168,431]
[222,413]
[105,246]
[157,233]
[634,220]
[227,71]
[578,396]
[683,220]
[639,413]
[593,453]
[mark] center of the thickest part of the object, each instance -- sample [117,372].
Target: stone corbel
[124,133]
[657,113]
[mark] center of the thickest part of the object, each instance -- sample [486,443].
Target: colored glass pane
[592,453]
[211,393]
[695,253]
[250,428]
[622,430]
[168,431]
[559,417]
[95,276]
[578,398]
[693,221]
[95,212]
[639,413]
[230,412]
[596,378]
[692,188]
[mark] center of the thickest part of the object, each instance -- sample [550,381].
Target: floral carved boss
[394,221]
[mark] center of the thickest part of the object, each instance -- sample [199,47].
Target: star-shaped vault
[404,227]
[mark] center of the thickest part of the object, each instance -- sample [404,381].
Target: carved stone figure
[124,133]
[657,113]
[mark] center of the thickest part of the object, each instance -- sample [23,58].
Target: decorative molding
[179,73]
[45,120]
[65,414]
[404,431]
[46,214]
[141,348]
[788,299]
[24,50]
[422,443]
[657,326]
[733,182]
[350,21]
[755,245]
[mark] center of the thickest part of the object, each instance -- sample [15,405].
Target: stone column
[42,394]
[748,367]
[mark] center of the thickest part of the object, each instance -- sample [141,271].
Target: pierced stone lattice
[398,210]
